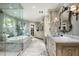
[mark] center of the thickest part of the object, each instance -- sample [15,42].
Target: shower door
[10,29]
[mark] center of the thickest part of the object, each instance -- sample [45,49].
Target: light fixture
[33,7]
[41,11]
[56,19]
[73,8]
[10,7]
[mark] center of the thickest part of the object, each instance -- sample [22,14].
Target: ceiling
[29,11]
[12,9]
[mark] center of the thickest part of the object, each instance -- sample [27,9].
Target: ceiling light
[10,7]
[33,7]
[15,12]
[40,11]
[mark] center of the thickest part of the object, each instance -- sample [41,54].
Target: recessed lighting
[10,7]
[33,7]
[40,11]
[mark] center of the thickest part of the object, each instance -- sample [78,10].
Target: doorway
[32,29]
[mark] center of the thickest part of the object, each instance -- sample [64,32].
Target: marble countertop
[65,39]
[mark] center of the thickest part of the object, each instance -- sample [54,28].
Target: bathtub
[15,45]
[17,39]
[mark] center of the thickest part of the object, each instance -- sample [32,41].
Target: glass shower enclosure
[11,29]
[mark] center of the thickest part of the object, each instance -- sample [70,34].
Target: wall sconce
[56,19]
[75,10]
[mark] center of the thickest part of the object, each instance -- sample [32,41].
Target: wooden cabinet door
[69,51]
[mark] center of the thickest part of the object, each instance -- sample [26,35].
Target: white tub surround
[15,45]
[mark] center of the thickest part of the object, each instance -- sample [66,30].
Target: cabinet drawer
[70,51]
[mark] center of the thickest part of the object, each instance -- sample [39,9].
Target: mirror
[65,20]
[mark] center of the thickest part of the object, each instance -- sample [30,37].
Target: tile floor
[36,48]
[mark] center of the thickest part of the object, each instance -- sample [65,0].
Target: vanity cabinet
[70,51]
[58,47]
[67,49]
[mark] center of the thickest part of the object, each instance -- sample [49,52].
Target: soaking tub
[15,45]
